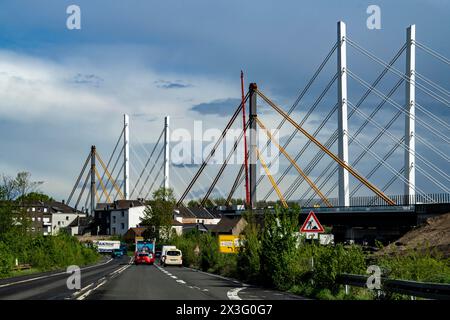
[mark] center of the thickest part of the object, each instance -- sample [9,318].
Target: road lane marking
[181,281]
[101,281]
[83,296]
[233,293]
[49,276]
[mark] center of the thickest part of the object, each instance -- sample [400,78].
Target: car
[144,258]
[117,253]
[173,257]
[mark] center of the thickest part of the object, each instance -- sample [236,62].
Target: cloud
[221,107]
[172,84]
[88,79]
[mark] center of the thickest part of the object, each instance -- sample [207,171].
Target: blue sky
[62,91]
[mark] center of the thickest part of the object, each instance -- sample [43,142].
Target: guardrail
[412,288]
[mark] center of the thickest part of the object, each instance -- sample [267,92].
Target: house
[133,233]
[117,217]
[186,215]
[79,226]
[231,225]
[48,218]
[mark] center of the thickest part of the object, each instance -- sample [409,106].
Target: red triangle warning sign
[312,224]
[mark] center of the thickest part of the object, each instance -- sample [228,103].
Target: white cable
[399,73]
[437,170]
[433,52]
[398,107]
[389,167]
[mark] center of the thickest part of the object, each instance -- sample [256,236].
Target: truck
[145,246]
[106,246]
[144,252]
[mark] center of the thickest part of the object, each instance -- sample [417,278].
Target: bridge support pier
[126,157]
[93,187]
[166,152]
[410,101]
[344,189]
[253,145]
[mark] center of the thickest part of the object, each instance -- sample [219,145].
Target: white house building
[116,218]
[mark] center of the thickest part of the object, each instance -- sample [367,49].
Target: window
[32,219]
[67,218]
[45,209]
[59,223]
[114,230]
[123,214]
[122,225]
[114,219]
[38,218]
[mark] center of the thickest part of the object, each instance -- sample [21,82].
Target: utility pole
[253,145]
[410,105]
[126,159]
[166,152]
[344,189]
[93,151]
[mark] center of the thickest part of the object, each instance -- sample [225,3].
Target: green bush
[248,258]
[43,252]
[330,261]
[6,260]
[209,252]
[425,265]
[187,244]
[279,246]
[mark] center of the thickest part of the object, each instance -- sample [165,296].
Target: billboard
[229,243]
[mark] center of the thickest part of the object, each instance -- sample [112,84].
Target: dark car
[144,258]
[117,253]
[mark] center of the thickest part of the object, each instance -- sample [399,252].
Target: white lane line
[102,281]
[51,275]
[181,281]
[83,296]
[219,276]
[233,293]
[173,277]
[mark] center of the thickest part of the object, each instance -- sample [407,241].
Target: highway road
[118,279]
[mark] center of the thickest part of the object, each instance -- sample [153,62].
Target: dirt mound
[434,234]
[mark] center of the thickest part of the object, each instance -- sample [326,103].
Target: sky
[63,90]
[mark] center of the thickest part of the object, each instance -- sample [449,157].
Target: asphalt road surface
[118,279]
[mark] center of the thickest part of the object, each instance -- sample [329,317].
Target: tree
[279,244]
[35,196]
[7,189]
[24,185]
[18,187]
[158,215]
[248,262]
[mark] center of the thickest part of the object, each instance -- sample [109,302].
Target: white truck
[106,246]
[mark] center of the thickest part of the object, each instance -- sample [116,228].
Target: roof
[53,206]
[79,221]
[198,226]
[198,212]
[120,205]
[138,230]
[226,224]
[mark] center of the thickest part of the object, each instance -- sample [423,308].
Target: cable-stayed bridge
[320,172]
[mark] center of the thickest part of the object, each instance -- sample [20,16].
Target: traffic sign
[312,224]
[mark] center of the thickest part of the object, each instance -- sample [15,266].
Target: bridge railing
[372,201]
